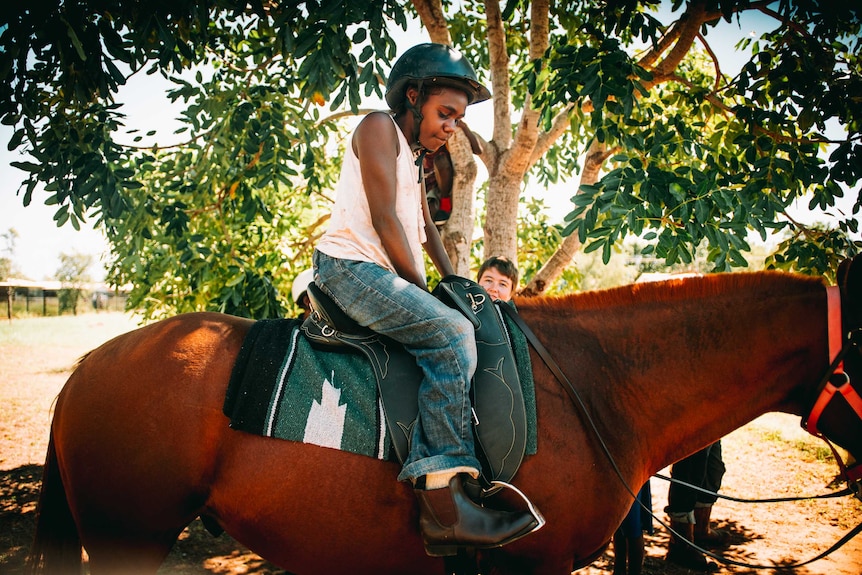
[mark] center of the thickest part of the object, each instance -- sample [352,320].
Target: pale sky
[40,242]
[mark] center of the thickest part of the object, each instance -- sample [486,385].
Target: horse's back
[138,425]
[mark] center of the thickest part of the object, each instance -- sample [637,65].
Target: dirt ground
[770,457]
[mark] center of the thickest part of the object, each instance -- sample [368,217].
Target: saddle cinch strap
[500,420]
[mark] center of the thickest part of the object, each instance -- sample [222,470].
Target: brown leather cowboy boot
[683,554]
[449,519]
[704,534]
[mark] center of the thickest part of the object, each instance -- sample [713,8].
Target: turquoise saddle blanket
[281,387]
[284,388]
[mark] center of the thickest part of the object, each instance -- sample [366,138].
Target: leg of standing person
[628,539]
[704,534]
[680,509]
[621,547]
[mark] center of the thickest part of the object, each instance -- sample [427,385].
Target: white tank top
[351,235]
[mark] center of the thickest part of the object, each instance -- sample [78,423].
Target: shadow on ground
[732,552]
[19,492]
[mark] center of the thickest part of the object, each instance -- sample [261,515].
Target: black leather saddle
[500,421]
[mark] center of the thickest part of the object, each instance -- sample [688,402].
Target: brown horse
[140,446]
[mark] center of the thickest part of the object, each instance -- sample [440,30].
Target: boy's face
[496,284]
[441,112]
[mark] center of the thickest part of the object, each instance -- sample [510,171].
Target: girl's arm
[375,143]
[433,243]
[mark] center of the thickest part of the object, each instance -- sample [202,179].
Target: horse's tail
[56,545]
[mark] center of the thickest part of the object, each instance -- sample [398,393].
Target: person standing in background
[499,276]
[299,291]
[628,540]
[690,510]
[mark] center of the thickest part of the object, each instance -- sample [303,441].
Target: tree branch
[688,28]
[595,157]
[518,156]
[715,101]
[546,139]
[345,114]
[432,17]
[763,7]
[714,58]
[499,68]
[155,147]
[666,40]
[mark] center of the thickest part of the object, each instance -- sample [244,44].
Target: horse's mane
[678,289]
[81,359]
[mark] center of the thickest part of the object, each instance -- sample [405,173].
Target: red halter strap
[843,387]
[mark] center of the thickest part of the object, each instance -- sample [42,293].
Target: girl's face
[442,110]
[496,284]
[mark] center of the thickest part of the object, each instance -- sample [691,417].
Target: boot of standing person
[704,534]
[680,552]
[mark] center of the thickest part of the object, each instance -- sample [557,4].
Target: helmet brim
[475,91]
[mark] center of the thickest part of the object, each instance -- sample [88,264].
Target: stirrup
[474,526]
[497,486]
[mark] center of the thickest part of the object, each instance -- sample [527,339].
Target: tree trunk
[501,215]
[512,152]
[457,234]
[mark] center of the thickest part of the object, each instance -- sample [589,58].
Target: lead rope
[576,399]
[835,494]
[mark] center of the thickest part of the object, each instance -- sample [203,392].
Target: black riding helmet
[433,64]
[426,65]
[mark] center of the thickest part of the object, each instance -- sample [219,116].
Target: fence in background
[26,298]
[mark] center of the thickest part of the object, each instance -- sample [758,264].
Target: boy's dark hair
[503,265]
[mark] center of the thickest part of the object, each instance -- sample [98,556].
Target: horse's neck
[680,369]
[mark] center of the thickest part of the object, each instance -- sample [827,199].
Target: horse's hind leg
[114,544]
[132,532]
[128,517]
[131,529]
[127,554]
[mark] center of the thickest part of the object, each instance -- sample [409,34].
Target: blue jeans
[443,342]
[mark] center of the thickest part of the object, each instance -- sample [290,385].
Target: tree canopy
[699,157]
[666,146]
